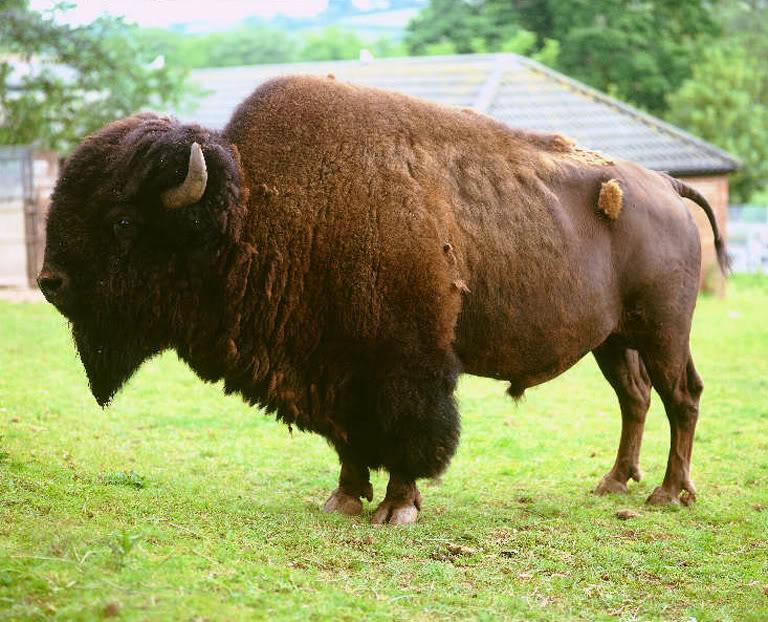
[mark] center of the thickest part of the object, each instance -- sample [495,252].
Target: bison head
[137,223]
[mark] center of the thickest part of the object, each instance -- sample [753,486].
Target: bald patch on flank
[566,146]
[611,199]
[590,157]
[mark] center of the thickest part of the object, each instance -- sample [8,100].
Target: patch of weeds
[6,578]
[121,543]
[131,479]
[4,455]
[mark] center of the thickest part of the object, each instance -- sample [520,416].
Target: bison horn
[191,190]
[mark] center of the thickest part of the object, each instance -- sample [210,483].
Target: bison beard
[338,255]
[109,357]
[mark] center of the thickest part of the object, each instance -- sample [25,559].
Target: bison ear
[192,189]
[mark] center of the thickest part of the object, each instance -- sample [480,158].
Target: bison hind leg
[624,369]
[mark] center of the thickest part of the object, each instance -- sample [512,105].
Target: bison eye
[124,228]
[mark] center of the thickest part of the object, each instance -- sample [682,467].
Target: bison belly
[534,311]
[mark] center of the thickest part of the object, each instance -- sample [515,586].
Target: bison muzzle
[338,255]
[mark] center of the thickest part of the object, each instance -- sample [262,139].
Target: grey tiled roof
[510,88]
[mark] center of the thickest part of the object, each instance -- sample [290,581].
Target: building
[521,93]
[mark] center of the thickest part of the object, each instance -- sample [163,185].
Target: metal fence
[26,179]
[16,206]
[748,238]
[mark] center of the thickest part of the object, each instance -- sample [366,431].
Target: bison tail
[687,192]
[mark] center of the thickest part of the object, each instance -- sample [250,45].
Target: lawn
[180,503]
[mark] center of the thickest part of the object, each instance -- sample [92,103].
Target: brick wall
[715,190]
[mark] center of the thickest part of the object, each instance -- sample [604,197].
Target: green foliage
[466,25]
[521,43]
[747,22]
[549,53]
[332,44]
[524,43]
[761,198]
[462,27]
[121,544]
[230,528]
[641,51]
[637,50]
[255,44]
[251,45]
[81,77]
[726,103]
[440,48]
[387,48]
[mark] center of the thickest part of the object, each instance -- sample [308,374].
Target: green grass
[181,503]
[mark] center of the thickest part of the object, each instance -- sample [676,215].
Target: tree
[456,25]
[248,46]
[638,50]
[60,83]
[251,44]
[726,103]
[384,47]
[255,43]
[177,49]
[332,44]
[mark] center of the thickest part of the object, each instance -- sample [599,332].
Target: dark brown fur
[355,250]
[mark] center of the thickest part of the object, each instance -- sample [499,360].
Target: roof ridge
[354,61]
[638,114]
[675,149]
[490,87]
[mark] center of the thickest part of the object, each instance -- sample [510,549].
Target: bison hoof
[340,501]
[609,485]
[662,496]
[391,513]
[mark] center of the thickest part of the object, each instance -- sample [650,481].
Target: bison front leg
[353,486]
[401,504]
[417,431]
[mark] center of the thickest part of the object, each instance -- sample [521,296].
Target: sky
[163,13]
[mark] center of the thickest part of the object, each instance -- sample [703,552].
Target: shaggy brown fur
[356,249]
[611,199]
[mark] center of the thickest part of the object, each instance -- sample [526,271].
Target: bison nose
[51,283]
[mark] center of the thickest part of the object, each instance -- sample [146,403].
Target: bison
[339,254]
